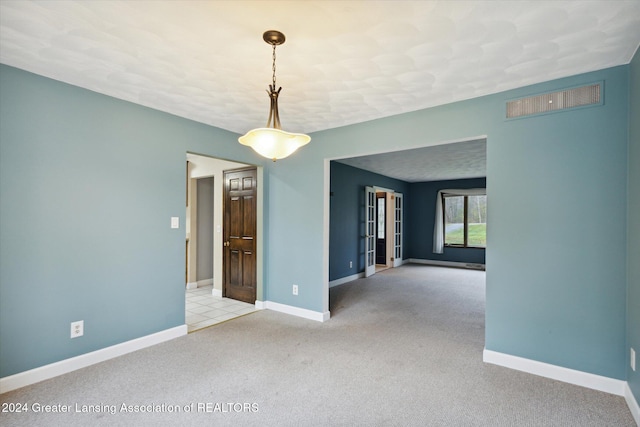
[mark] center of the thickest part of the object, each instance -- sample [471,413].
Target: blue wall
[346,233]
[633,233]
[557,186]
[346,242]
[557,234]
[88,183]
[421,208]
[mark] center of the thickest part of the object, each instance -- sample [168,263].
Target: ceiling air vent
[549,102]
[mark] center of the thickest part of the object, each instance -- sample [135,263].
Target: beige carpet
[403,348]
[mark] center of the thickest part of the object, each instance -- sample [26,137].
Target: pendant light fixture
[271,141]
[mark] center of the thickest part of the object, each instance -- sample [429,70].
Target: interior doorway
[384,229]
[436,161]
[204,267]
[381,230]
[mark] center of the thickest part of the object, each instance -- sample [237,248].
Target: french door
[394,210]
[370,232]
[397,230]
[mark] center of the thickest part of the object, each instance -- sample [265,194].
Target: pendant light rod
[274,115]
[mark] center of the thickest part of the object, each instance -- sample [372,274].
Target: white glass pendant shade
[274,143]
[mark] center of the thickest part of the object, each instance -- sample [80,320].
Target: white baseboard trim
[200,284]
[467,265]
[400,262]
[361,275]
[46,372]
[632,403]
[295,311]
[216,292]
[571,376]
[346,279]
[205,282]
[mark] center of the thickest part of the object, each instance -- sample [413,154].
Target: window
[466,218]
[381,209]
[465,221]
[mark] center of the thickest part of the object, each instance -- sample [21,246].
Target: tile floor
[203,309]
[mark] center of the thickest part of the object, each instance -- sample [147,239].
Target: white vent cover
[570,98]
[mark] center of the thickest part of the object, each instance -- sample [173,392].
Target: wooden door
[239,235]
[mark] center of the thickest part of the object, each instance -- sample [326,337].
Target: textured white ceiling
[343,62]
[436,163]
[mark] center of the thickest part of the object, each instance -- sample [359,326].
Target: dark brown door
[240,234]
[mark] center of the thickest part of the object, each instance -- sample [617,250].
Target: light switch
[175,222]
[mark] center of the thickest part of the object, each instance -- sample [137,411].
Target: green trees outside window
[465,221]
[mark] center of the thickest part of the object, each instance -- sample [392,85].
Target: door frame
[226,255]
[191,222]
[220,165]
[390,212]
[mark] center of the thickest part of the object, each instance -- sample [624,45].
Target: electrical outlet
[632,358]
[77,329]
[295,289]
[350,264]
